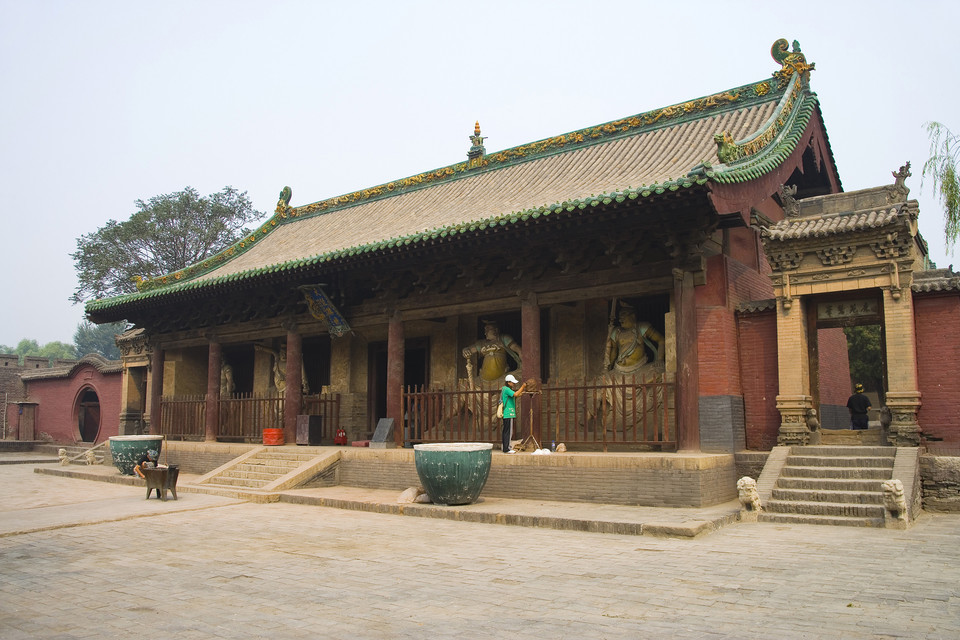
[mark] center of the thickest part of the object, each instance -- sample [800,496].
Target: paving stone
[283,570]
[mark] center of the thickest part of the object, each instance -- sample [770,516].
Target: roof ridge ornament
[477,151]
[791,208]
[283,204]
[899,191]
[790,62]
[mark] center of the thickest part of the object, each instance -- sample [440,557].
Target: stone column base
[793,420]
[904,427]
[131,424]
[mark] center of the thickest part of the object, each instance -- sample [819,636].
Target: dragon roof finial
[790,61]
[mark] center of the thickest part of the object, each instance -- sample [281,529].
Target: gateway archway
[845,259]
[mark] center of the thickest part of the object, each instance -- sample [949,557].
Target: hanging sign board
[848,310]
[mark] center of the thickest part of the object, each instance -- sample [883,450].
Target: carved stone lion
[91,457]
[749,497]
[893,499]
[62,454]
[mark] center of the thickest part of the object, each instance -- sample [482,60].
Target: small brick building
[69,402]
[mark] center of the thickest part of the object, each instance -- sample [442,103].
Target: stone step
[251,475]
[249,483]
[292,456]
[815,495]
[279,470]
[825,509]
[793,518]
[844,451]
[839,461]
[829,484]
[867,473]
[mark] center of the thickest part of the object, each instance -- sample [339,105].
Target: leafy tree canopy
[866,357]
[52,350]
[941,167]
[165,234]
[98,338]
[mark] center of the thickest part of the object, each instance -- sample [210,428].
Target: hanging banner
[322,309]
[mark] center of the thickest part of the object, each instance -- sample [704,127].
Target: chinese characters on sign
[847,309]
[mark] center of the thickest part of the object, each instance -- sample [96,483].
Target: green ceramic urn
[453,472]
[126,450]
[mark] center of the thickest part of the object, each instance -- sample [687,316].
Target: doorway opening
[88,416]
[847,350]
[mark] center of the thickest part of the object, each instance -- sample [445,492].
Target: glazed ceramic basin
[126,450]
[453,472]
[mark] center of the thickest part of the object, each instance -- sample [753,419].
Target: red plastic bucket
[273,436]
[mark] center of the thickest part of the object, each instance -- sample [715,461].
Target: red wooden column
[530,352]
[212,421]
[395,353]
[688,369]
[156,388]
[293,393]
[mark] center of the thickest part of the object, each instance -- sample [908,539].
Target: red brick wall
[937,319]
[57,400]
[718,352]
[760,378]
[834,367]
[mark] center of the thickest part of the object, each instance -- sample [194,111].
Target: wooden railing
[633,411]
[242,416]
[182,417]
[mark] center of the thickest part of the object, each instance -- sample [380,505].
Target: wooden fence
[242,416]
[627,411]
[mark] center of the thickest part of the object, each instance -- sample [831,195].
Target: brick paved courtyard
[206,567]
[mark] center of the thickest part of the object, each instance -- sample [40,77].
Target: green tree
[942,169]
[866,357]
[52,350]
[98,338]
[58,351]
[165,234]
[27,347]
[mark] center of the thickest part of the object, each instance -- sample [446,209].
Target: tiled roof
[756,306]
[832,223]
[95,360]
[636,157]
[934,280]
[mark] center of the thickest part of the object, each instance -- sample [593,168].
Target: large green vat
[126,450]
[453,472]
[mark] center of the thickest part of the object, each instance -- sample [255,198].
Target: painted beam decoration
[322,309]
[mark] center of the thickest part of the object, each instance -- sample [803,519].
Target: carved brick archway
[847,247]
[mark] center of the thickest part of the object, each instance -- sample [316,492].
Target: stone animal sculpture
[62,454]
[749,496]
[893,499]
[91,457]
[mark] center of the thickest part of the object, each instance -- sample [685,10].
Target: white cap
[510,378]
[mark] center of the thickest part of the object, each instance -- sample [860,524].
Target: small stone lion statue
[749,497]
[90,457]
[62,454]
[893,499]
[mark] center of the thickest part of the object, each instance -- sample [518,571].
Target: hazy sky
[107,102]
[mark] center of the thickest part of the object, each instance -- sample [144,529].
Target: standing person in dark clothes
[858,404]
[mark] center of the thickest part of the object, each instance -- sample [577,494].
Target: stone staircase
[835,485]
[262,473]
